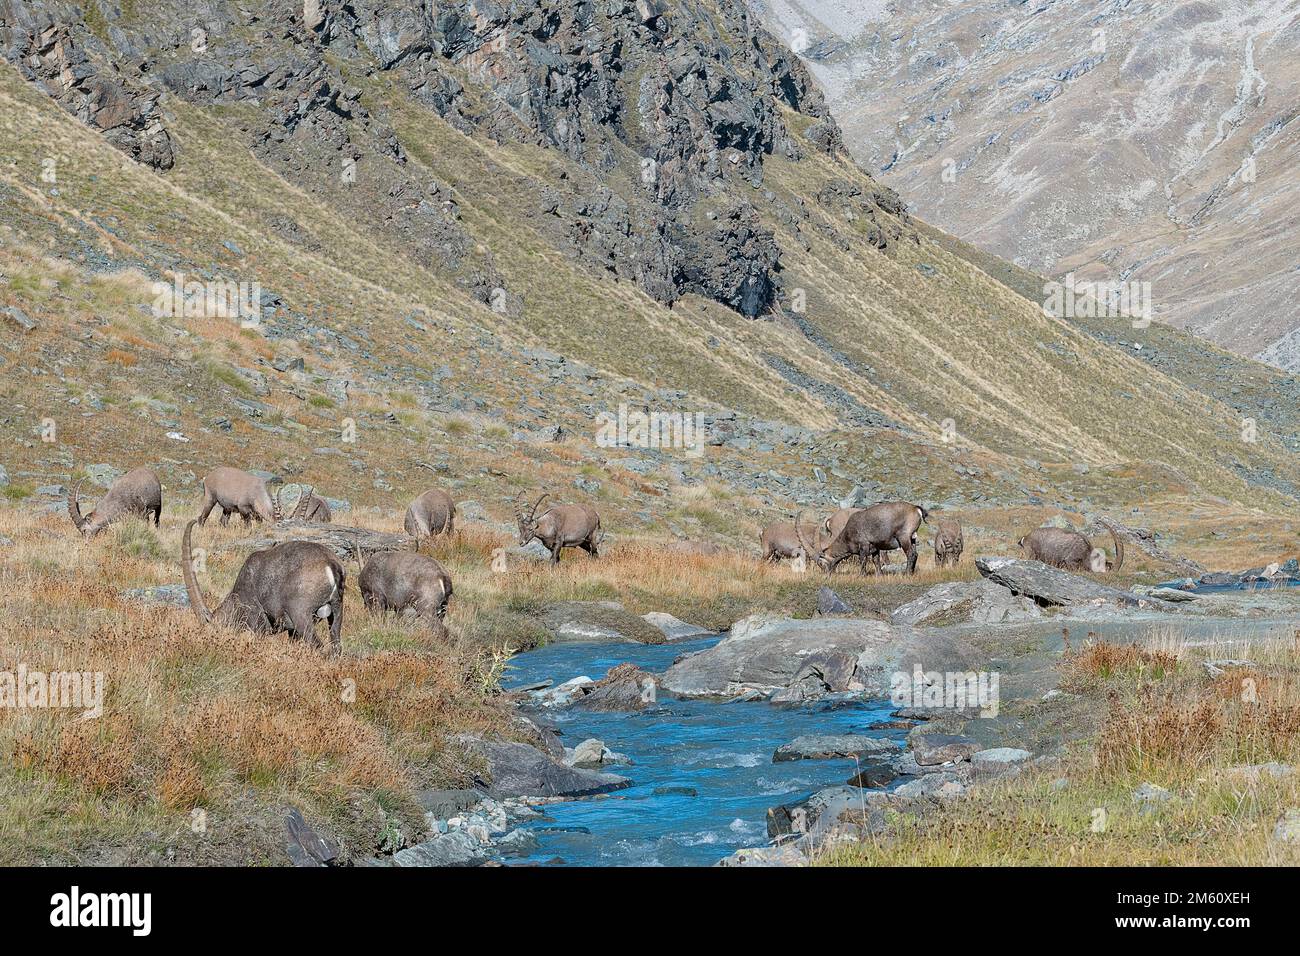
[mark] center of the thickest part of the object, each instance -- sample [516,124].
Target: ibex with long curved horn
[234,491]
[405,580]
[432,513]
[286,587]
[138,492]
[560,527]
[871,532]
[310,507]
[1063,548]
[948,543]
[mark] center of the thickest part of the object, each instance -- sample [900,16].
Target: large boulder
[518,770]
[960,602]
[1052,586]
[625,688]
[767,653]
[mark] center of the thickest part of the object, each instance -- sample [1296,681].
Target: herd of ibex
[291,586]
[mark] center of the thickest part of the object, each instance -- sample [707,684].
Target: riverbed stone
[768,652]
[625,688]
[455,848]
[977,602]
[833,746]
[674,629]
[931,749]
[518,770]
[597,622]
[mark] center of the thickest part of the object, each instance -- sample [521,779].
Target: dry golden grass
[1168,722]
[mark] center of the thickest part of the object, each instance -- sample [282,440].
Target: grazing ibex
[1062,548]
[947,543]
[780,540]
[833,526]
[560,527]
[232,491]
[398,580]
[872,531]
[310,507]
[138,492]
[432,513]
[285,587]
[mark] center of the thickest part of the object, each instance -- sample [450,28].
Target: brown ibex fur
[285,587]
[233,491]
[560,527]
[432,513]
[948,544]
[138,492]
[1063,548]
[872,531]
[402,580]
[779,540]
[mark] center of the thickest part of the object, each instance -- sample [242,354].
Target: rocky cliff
[665,113]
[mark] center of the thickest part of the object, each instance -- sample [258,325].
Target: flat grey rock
[675,629]
[831,746]
[769,652]
[1052,586]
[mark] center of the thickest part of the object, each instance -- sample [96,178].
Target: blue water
[721,751]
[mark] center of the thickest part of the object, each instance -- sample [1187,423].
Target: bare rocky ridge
[658,162]
[1155,142]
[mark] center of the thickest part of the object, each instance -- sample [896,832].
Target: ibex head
[300,506]
[90,525]
[527,522]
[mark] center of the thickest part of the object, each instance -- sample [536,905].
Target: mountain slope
[494,214]
[1153,142]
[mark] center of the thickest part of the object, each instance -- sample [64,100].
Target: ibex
[831,528]
[947,543]
[398,580]
[560,527]
[310,507]
[138,492]
[1062,548]
[285,587]
[780,540]
[432,513]
[872,531]
[233,491]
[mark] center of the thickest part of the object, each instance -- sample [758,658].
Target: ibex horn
[304,500]
[533,513]
[197,603]
[74,506]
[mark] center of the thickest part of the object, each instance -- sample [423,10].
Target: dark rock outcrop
[518,770]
